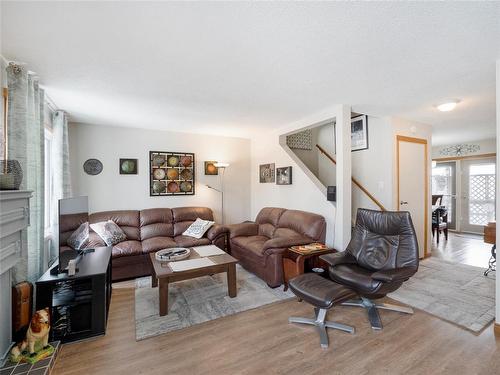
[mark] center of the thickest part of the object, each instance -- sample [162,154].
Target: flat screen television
[72,213]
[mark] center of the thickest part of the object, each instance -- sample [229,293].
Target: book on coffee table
[208,250]
[190,264]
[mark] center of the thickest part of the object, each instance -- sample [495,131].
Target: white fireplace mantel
[14,218]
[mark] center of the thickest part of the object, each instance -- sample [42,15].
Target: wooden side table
[294,263]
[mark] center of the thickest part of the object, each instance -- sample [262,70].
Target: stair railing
[356,182]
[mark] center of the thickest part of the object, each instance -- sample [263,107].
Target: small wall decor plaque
[171,173]
[284,176]
[92,167]
[266,173]
[210,168]
[128,166]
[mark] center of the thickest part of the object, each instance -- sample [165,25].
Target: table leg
[154,280]
[299,265]
[231,280]
[163,294]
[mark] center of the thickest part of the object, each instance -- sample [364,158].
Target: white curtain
[60,155]
[60,172]
[26,145]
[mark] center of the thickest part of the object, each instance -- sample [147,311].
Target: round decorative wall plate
[159,174]
[92,167]
[173,187]
[159,187]
[158,160]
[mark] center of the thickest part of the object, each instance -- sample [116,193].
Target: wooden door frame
[402,138]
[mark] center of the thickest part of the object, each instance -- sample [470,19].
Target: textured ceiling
[236,68]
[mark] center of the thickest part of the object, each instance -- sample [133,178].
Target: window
[444,183]
[48,183]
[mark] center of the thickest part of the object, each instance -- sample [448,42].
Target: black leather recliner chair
[382,254]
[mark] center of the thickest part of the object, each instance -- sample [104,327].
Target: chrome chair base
[372,309]
[321,325]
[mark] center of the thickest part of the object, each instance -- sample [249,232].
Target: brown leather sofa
[259,245]
[147,231]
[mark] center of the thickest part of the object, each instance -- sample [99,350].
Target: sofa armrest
[342,257]
[216,230]
[243,229]
[394,275]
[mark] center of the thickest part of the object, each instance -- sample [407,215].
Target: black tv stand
[78,304]
[77,256]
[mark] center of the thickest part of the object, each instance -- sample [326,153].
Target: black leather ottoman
[323,294]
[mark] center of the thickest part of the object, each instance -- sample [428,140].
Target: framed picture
[266,173]
[284,176]
[171,173]
[128,166]
[359,133]
[210,168]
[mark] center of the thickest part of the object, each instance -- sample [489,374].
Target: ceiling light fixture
[448,106]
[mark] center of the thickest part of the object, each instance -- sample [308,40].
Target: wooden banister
[356,182]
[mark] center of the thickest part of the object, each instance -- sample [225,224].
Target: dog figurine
[38,331]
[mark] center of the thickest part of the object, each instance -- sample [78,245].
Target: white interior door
[478,194]
[413,185]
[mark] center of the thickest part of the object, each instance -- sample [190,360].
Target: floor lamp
[222,168]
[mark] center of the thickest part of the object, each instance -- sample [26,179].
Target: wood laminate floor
[262,342]
[463,248]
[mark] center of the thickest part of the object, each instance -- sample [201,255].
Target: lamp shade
[221,165]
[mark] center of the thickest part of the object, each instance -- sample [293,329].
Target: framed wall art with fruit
[171,173]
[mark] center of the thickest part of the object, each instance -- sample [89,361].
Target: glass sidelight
[444,183]
[478,201]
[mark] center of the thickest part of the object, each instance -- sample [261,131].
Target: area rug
[199,300]
[454,292]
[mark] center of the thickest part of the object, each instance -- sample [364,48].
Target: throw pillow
[80,237]
[110,233]
[198,228]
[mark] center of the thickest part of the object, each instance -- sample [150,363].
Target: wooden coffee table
[162,275]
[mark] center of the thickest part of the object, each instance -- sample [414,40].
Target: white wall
[326,169]
[486,146]
[112,191]
[373,167]
[310,157]
[304,193]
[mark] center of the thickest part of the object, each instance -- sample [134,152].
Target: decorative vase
[11,175]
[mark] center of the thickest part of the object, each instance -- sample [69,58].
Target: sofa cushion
[157,243]
[156,222]
[268,219]
[80,237]
[127,220]
[126,248]
[109,232]
[185,216]
[254,244]
[68,224]
[303,223]
[198,228]
[186,241]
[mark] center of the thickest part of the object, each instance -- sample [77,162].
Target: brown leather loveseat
[147,231]
[259,245]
